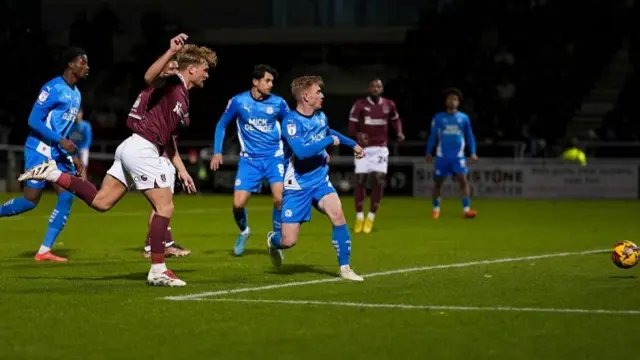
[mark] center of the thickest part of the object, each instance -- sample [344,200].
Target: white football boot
[348,274]
[40,172]
[164,278]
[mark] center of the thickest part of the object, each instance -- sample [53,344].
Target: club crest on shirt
[291,129]
[44,95]
[385,109]
[269,110]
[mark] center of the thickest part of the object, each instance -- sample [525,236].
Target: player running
[51,120]
[369,124]
[306,180]
[449,129]
[256,112]
[171,248]
[155,119]
[82,136]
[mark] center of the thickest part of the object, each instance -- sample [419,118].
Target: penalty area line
[381,273]
[425,307]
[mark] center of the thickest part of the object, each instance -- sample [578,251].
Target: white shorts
[138,163]
[84,156]
[376,159]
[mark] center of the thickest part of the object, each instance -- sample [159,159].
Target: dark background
[526,68]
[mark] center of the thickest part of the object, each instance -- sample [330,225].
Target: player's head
[171,68]
[376,88]
[262,78]
[452,98]
[194,62]
[75,62]
[307,90]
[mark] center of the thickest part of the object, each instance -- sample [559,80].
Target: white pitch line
[382,273]
[426,307]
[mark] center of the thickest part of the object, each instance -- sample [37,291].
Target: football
[625,254]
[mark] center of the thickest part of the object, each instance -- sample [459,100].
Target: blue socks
[240,216]
[16,206]
[466,203]
[436,203]
[58,218]
[277,219]
[275,240]
[342,243]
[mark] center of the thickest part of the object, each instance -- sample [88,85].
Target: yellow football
[625,254]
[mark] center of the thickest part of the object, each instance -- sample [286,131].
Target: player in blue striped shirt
[52,117]
[306,180]
[450,129]
[256,113]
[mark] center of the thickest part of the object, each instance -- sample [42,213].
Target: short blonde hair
[193,54]
[304,82]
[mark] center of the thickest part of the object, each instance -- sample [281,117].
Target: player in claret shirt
[155,119]
[369,124]
[450,129]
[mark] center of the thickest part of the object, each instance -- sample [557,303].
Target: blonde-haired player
[306,180]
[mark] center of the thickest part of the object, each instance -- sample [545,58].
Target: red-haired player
[369,124]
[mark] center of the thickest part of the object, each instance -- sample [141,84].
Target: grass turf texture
[98,305]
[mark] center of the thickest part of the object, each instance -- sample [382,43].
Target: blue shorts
[297,204]
[450,166]
[251,172]
[33,158]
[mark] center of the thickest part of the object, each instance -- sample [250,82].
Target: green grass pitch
[443,302]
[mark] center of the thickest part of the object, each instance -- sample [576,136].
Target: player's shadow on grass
[247,252]
[623,277]
[132,276]
[60,252]
[292,269]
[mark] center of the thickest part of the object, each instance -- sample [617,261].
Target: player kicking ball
[449,130]
[369,124]
[306,179]
[256,113]
[155,119]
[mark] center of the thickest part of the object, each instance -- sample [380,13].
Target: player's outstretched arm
[227,117]
[45,103]
[152,76]
[471,139]
[296,141]
[433,137]
[396,122]
[343,139]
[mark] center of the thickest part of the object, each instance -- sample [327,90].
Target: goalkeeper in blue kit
[306,180]
[451,130]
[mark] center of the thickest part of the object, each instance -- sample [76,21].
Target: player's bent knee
[165,210]
[337,217]
[240,199]
[288,241]
[381,179]
[361,178]
[277,202]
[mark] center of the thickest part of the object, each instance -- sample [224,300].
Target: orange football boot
[470,214]
[435,214]
[48,256]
